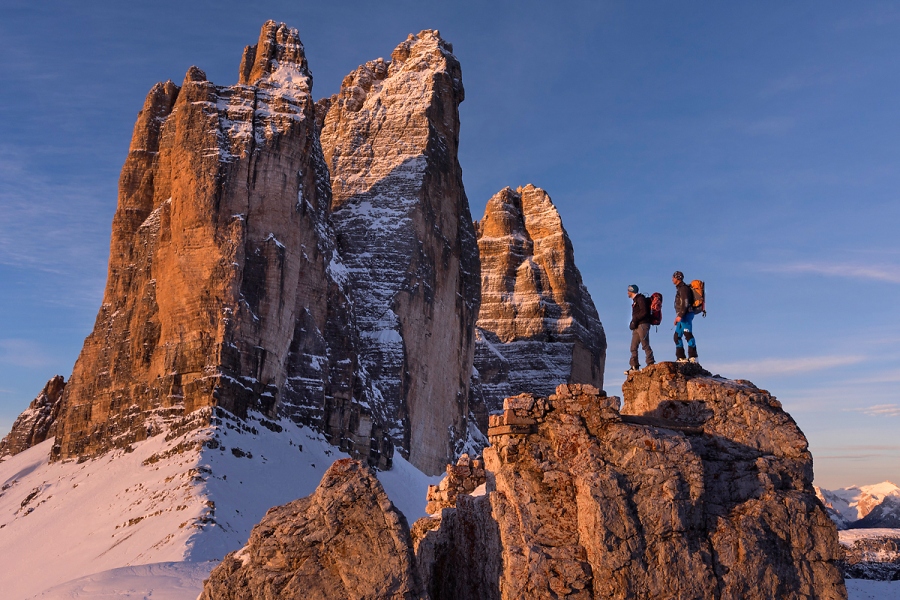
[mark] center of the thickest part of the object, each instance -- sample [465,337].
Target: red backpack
[656,308]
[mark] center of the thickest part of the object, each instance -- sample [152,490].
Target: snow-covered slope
[863,589]
[191,497]
[157,581]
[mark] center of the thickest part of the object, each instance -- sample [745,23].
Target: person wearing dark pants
[684,318]
[640,328]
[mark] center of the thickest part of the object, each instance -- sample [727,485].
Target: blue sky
[753,146]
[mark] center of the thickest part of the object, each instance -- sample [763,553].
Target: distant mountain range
[863,507]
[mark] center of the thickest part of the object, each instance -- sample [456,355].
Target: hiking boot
[693,359]
[632,371]
[682,360]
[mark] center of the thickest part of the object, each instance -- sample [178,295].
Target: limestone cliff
[37,422]
[538,326]
[345,541]
[224,286]
[404,231]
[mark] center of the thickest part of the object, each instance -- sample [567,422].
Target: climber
[640,328]
[684,317]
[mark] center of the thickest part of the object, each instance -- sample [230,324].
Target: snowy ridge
[171,498]
[848,505]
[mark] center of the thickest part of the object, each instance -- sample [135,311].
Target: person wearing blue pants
[684,318]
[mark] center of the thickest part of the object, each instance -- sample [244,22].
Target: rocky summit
[538,326]
[37,422]
[698,487]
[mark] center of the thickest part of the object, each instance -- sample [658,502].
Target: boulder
[345,541]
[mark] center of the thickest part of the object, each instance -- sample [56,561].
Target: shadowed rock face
[404,231]
[224,286]
[537,327]
[699,488]
[37,422]
[345,541]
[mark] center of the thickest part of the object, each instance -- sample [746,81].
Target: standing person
[684,318]
[640,328]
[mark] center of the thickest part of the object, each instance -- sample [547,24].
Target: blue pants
[684,327]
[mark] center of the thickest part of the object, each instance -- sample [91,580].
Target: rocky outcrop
[699,488]
[37,422]
[538,327]
[224,285]
[345,541]
[462,478]
[876,557]
[404,231]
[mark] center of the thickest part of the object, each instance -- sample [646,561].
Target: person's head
[677,277]
[632,290]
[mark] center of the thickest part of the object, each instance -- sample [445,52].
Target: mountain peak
[278,55]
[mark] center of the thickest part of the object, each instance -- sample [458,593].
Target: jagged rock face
[345,541]
[390,139]
[37,422]
[538,326]
[700,488]
[223,279]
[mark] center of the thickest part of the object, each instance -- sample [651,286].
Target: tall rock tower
[538,327]
[220,245]
[404,231]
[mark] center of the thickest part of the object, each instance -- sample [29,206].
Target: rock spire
[404,231]
[222,265]
[37,422]
[538,326]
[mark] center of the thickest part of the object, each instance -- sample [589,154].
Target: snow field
[193,498]
[864,589]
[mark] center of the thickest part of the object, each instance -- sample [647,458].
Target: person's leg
[645,343]
[679,347]
[689,335]
[635,340]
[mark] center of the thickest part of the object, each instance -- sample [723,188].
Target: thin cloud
[880,410]
[23,353]
[888,273]
[787,366]
[766,126]
[847,457]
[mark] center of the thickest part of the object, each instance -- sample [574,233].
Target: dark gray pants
[641,336]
